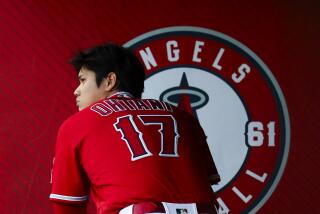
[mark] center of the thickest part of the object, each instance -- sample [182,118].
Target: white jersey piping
[69,198]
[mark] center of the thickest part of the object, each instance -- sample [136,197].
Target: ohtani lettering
[108,106]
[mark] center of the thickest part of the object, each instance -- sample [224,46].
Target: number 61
[254,133]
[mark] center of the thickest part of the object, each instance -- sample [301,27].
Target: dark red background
[37,38]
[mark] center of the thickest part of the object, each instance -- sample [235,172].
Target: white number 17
[134,137]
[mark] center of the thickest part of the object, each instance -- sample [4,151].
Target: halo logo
[236,99]
[186,97]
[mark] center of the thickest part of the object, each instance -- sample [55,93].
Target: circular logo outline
[262,68]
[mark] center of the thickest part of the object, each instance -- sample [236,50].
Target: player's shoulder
[77,127]
[80,121]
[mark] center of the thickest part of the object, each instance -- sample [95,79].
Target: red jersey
[127,150]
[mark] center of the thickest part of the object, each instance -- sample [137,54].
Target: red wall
[38,37]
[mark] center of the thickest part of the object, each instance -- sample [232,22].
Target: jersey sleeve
[211,168]
[69,181]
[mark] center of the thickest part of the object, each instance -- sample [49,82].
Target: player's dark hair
[109,57]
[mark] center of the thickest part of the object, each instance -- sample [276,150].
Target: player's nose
[76,92]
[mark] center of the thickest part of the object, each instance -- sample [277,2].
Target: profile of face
[88,91]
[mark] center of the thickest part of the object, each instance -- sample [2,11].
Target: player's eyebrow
[80,76]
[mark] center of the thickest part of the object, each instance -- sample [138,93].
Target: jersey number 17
[136,142]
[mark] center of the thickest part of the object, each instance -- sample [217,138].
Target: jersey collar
[121,94]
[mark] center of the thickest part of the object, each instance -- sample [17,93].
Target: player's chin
[79,107]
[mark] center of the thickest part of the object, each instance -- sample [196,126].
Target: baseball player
[131,155]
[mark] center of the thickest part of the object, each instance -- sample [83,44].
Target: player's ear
[110,82]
